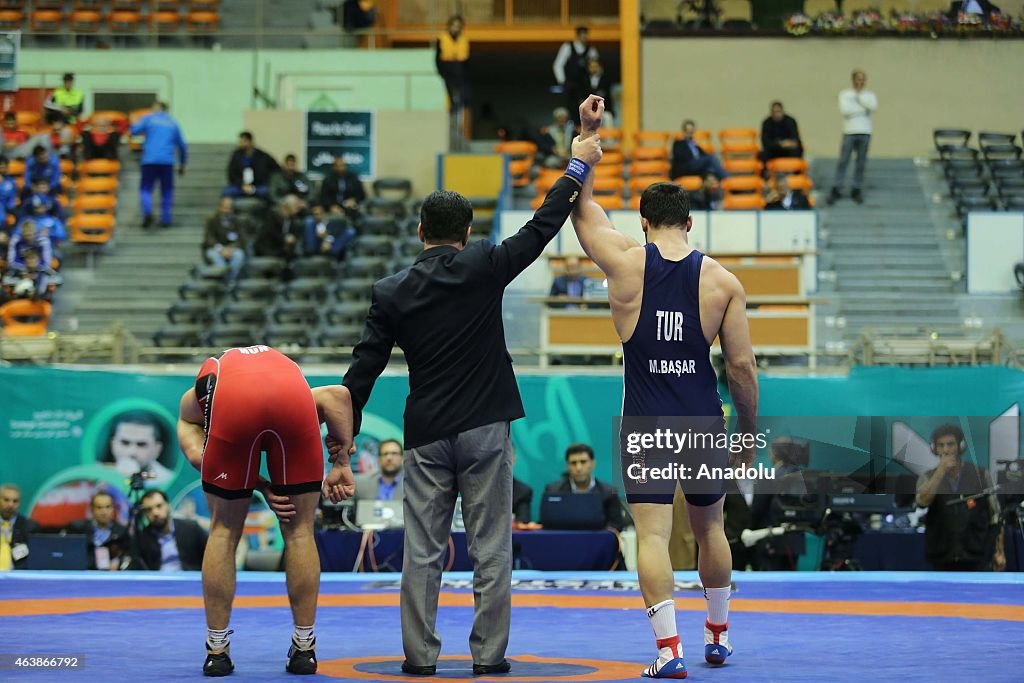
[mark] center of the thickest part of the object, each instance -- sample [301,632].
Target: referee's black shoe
[427,670]
[217,663]
[301,661]
[502,667]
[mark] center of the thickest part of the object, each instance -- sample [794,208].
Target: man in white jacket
[856,104]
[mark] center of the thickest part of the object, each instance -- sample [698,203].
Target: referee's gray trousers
[477,463]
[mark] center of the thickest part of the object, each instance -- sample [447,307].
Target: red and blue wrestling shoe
[716,642]
[673,668]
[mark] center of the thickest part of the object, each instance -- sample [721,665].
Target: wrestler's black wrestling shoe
[301,662]
[218,663]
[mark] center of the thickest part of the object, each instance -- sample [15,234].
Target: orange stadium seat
[800,182]
[788,165]
[94,203]
[611,139]
[124,21]
[736,184]
[99,168]
[608,186]
[609,202]
[743,166]
[11,19]
[46,20]
[15,168]
[649,168]
[603,170]
[740,150]
[743,202]
[117,119]
[67,166]
[164,22]
[546,178]
[731,135]
[24,318]
[634,202]
[91,228]
[98,185]
[654,138]
[704,140]
[28,121]
[650,153]
[85,21]
[202,22]
[611,158]
[521,156]
[637,184]
[690,183]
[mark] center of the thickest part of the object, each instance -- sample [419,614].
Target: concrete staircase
[884,265]
[136,277]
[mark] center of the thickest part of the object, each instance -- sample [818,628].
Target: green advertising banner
[64,432]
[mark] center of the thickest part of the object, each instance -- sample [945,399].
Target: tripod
[136,520]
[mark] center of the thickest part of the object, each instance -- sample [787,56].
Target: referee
[445,313]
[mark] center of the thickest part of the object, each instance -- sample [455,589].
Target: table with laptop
[368,536]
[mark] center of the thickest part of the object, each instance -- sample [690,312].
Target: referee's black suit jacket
[444,311]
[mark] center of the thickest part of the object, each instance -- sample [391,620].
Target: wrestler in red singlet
[256,399]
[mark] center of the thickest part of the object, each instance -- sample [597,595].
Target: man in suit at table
[14,530]
[579,478]
[386,483]
[573,283]
[107,538]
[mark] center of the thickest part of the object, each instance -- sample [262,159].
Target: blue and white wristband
[577,170]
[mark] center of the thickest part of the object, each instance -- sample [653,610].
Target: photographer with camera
[781,552]
[962,526]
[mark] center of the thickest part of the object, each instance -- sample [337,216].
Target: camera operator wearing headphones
[962,530]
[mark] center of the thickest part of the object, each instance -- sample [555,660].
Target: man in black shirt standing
[445,313]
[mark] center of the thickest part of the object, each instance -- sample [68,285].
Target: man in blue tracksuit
[163,136]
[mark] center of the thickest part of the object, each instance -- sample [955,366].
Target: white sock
[303,637]
[218,639]
[718,604]
[663,619]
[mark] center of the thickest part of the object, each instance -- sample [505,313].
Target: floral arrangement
[935,24]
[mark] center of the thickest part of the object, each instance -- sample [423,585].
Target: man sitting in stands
[31,279]
[249,170]
[783,198]
[224,240]
[689,159]
[780,136]
[325,234]
[342,191]
[708,197]
[289,180]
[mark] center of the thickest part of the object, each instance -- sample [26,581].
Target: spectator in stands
[63,139]
[65,103]
[358,14]
[14,530]
[325,234]
[709,197]
[961,533]
[108,539]
[24,238]
[100,140]
[13,136]
[289,180]
[555,139]
[596,82]
[169,544]
[522,497]
[783,198]
[342,191]
[41,166]
[162,138]
[31,279]
[570,68]
[224,241]
[689,159]
[281,231]
[573,283]
[386,482]
[579,460]
[45,213]
[973,8]
[40,195]
[856,104]
[249,170]
[780,136]
[8,194]
[452,56]
[136,444]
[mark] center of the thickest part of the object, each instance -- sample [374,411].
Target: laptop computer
[379,514]
[576,511]
[48,551]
